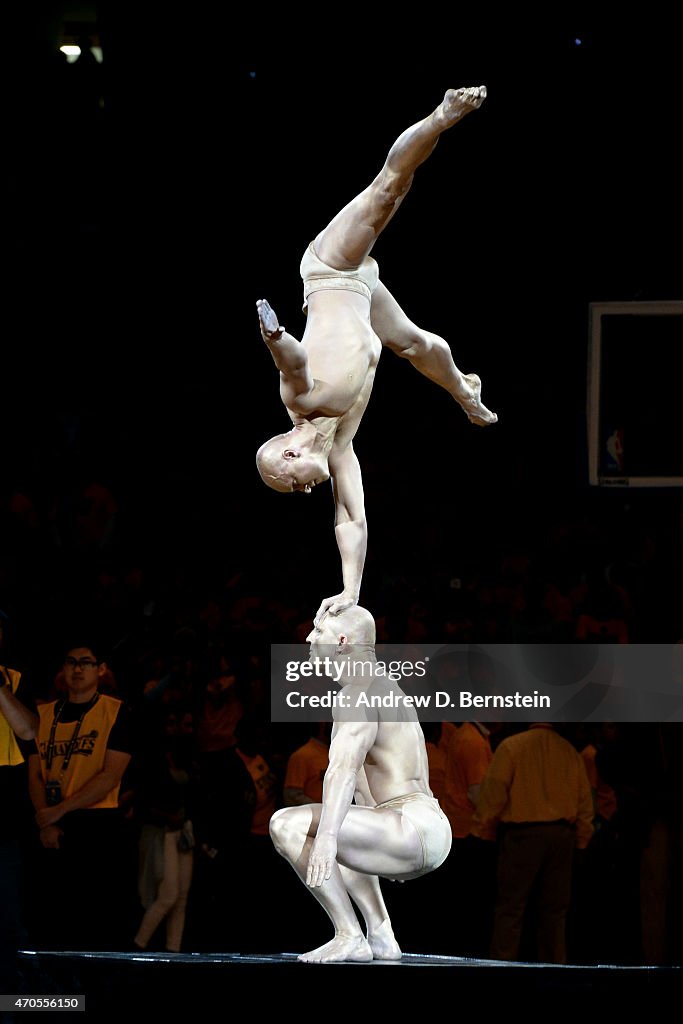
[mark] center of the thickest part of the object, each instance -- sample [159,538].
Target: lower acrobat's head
[354,626]
[287,468]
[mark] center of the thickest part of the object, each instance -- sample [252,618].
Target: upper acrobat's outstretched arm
[288,354]
[350,528]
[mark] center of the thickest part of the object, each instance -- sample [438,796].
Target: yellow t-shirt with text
[87,758]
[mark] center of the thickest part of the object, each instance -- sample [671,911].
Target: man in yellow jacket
[84,746]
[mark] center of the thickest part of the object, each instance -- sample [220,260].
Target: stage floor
[200,984]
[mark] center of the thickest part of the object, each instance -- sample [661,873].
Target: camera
[53,794]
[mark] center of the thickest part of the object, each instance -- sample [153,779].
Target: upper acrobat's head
[288,467]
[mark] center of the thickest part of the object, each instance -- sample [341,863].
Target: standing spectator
[599,895]
[223,817]
[84,747]
[644,764]
[537,789]
[220,708]
[661,893]
[252,741]
[604,797]
[167,838]
[257,874]
[468,756]
[16,720]
[470,867]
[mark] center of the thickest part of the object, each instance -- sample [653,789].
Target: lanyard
[72,743]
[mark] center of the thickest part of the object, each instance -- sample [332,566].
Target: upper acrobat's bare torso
[343,352]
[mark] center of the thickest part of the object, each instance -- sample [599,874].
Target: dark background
[142,232]
[151,200]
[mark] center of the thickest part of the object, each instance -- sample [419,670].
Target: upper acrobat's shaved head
[271,465]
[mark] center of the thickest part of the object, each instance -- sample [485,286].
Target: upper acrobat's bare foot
[383,943]
[472,404]
[270,326]
[458,102]
[341,949]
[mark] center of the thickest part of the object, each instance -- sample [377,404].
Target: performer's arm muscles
[350,744]
[350,528]
[288,354]
[21,720]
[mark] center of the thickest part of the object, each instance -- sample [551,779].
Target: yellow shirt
[537,776]
[87,759]
[10,754]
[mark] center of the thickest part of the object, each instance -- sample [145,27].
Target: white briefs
[431,824]
[318,276]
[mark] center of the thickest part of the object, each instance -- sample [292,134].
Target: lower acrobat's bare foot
[472,404]
[270,327]
[342,949]
[383,944]
[458,102]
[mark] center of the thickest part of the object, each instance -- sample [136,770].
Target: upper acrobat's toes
[483,417]
[474,95]
[471,96]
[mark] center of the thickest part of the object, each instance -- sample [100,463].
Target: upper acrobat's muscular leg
[428,353]
[350,236]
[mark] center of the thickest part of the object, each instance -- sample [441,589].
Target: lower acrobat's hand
[321,860]
[334,605]
[270,328]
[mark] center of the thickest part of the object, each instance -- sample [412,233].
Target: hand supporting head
[346,639]
[353,626]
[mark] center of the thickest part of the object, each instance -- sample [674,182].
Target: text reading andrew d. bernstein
[440,699]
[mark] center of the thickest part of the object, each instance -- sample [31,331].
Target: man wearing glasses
[84,746]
